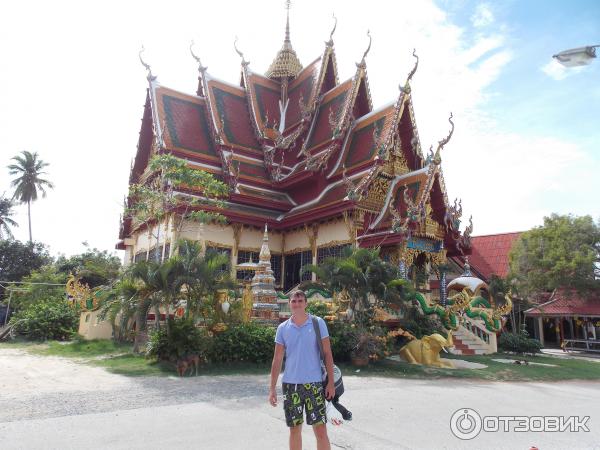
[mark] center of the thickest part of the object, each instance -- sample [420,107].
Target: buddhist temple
[309,156]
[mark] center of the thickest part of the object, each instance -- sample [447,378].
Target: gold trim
[335,244]
[296,250]
[217,244]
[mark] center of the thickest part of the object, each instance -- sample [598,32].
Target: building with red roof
[568,317]
[305,154]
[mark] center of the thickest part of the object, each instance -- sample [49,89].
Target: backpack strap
[315,322]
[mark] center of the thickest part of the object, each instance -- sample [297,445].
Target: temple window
[276,267]
[224,251]
[293,265]
[336,251]
[245,256]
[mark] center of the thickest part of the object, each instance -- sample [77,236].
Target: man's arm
[275,370]
[330,389]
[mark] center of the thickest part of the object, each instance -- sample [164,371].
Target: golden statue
[426,351]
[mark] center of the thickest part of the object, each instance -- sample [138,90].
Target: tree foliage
[93,267]
[18,259]
[564,252]
[160,194]
[6,206]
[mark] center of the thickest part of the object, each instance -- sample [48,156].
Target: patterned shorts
[297,397]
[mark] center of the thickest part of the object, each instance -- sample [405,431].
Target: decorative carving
[329,43]
[453,215]
[149,77]
[350,186]
[464,241]
[362,63]
[437,159]
[376,195]
[201,68]
[237,50]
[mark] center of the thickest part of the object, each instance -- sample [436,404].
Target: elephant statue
[426,351]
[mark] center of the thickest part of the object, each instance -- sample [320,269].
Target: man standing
[302,384]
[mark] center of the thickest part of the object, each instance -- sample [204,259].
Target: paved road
[231,412]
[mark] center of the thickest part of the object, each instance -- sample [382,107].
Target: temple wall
[251,239]
[330,233]
[220,234]
[295,240]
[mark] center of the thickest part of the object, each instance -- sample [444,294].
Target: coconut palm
[5,220]
[28,169]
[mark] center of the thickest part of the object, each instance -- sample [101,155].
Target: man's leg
[320,430]
[296,437]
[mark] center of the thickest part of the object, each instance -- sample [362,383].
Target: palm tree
[366,277]
[28,169]
[5,220]
[203,274]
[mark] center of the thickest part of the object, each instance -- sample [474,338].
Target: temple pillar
[237,232]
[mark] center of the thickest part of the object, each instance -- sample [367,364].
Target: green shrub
[247,342]
[183,338]
[341,336]
[47,320]
[317,309]
[519,343]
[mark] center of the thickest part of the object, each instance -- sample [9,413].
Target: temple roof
[297,145]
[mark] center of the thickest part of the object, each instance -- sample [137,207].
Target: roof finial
[244,62]
[414,69]
[150,77]
[329,43]
[287,23]
[201,68]
[437,159]
[362,62]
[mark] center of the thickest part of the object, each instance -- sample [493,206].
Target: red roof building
[489,254]
[568,303]
[307,155]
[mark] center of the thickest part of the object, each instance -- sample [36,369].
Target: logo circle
[465,423]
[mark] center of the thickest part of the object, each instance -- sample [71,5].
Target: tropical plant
[249,342]
[48,320]
[519,343]
[6,212]
[202,275]
[119,305]
[157,198]
[28,169]
[181,338]
[368,279]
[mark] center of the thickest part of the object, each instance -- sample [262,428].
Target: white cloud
[483,16]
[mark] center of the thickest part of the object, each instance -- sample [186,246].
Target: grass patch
[566,369]
[118,359]
[83,349]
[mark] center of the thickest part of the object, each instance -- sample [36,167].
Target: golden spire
[286,64]
[265,253]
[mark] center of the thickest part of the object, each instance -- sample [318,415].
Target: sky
[527,133]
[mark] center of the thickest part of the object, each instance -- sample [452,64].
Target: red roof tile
[566,302]
[490,253]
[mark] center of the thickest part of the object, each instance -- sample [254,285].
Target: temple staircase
[472,338]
